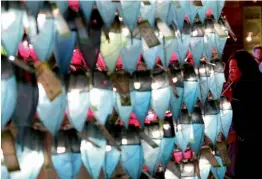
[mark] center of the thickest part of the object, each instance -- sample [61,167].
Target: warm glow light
[121,19]
[166,126]
[108,148]
[191,79]
[111,35]
[174,79]
[226,105]
[194,33]
[60,150]
[25,43]
[85,145]
[154,85]
[137,85]
[7,19]
[202,70]
[177,33]
[11,58]
[188,168]
[124,141]
[156,134]
[208,30]
[125,32]
[114,89]
[31,46]
[179,127]
[249,38]
[41,18]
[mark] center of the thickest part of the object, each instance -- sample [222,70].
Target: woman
[246,103]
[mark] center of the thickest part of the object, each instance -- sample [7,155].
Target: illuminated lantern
[93,157]
[44,41]
[132,153]
[78,99]
[66,155]
[12,26]
[220,44]
[160,93]
[204,167]
[130,12]
[167,144]
[107,11]
[211,117]
[29,154]
[177,92]
[64,48]
[181,47]
[203,73]
[148,12]
[86,7]
[162,11]
[131,52]
[184,131]
[151,158]
[112,155]
[202,10]
[142,85]
[188,170]
[8,91]
[190,9]
[190,87]
[198,130]
[51,113]
[216,79]
[110,48]
[197,44]
[101,97]
[33,7]
[219,172]
[208,45]
[178,15]
[226,115]
[216,7]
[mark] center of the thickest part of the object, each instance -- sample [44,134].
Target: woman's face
[234,71]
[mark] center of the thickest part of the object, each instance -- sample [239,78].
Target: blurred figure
[247,118]
[258,56]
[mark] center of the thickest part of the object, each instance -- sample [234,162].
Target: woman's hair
[247,65]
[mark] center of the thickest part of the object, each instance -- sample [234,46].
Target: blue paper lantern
[148,12]
[196,48]
[112,158]
[219,172]
[226,115]
[130,12]
[86,7]
[107,11]
[181,47]
[33,7]
[204,167]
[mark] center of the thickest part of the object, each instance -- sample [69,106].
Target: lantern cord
[227,88]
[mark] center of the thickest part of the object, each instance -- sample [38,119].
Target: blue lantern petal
[34,6]
[51,113]
[150,54]
[63,51]
[8,99]
[162,9]
[196,48]
[190,94]
[67,165]
[132,160]
[204,167]
[130,54]
[62,5]
[226,120]
[178,16]
[44,42]
[101,103]
[86,7]
[107,11]
[202,11]
[130,12]
[151,156]
[160,101]
[142,99]
[215,84]
[198,131]
[166,148]
[169,48]
[12,26]
[183,136]
[148,12]
[189,9]
[212,126]
[30,163]
[219,172]
[216,7]
[176,102]
[93,157]
[203,89]
[124,111]
[111,160]
[220,44]
[78,104]
[181,47]
[4,172]
[208,45]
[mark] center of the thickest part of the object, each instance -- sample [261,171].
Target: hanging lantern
[190,87]
[198,130]
[33,7]
[27,99]
[216,79]
[86,7]
[208,45]
[51,113]
[184,130]
[202,10]
[132,153]
[189,8]
[8,91]
[216,7]
[226,115]
[168,142]
[162,11]
[182,46]
[219,172]
[11,26]
[78,99]
[64,48]
[177,93]
[204,167]
[203,73]
[101,97]
[93,157]
[178,14]
[151,158]
[112,155]
[148,12]
[124,98]
[66,155]
[142,85]
[29,153]
[130,14]
[211,117]
[160,93]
